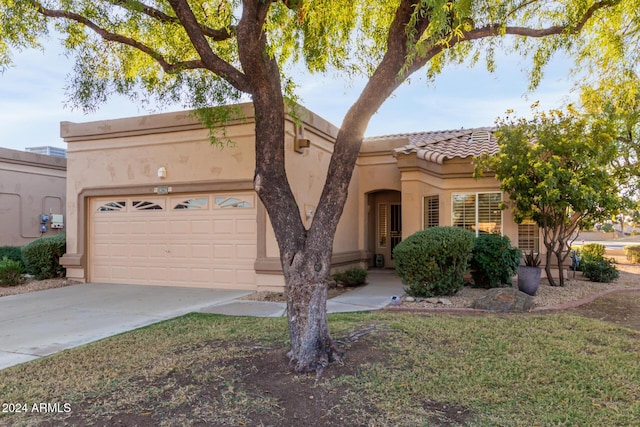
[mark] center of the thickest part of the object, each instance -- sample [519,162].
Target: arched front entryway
[384,225]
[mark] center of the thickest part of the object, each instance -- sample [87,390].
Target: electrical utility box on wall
[57,221]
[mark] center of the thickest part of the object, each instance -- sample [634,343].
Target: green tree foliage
[619,101]
[557,169]
[206,53]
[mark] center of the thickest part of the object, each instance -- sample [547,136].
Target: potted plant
[529,274]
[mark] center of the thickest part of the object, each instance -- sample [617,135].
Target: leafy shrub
[600,270]
[11,272]
[433,262]
[633,253]
[11,252]
[42,256]
[592,251]
[494,261]
[355,276]
[608,228]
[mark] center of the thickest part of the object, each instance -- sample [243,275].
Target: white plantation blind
[382,225]
[528,236]
[478,212]
[464,211]
[431,211]
[489,213]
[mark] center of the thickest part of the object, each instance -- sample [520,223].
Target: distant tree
[557,170]
[206,53]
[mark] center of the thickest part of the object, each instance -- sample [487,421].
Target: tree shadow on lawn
[621,308]
[251,387]
[258,392]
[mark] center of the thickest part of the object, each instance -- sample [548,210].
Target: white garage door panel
[185,240]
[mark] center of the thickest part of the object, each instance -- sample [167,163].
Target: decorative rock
[442,301]
[409,299]
[504,300]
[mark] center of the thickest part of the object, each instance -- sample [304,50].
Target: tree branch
[117,38]
[497,29]
[215,34]
[212,61]
[209,61]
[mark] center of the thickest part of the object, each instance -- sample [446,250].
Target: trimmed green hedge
[433,262]
[352,277]
[633,253]
[593,251]
[42,257]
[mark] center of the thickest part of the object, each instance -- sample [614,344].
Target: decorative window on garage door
[146,205]
[233,202]
[198,203]
[112,206]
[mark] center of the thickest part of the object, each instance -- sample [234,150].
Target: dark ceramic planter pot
[529,279]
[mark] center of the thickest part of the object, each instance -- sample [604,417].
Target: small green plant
[11,252]
[494,261]
[433,262]
[42,257]
[600,270]
[633,253]
[352,277]
[11,272]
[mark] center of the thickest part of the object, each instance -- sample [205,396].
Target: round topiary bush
[433,262]
[42,256]
[494,261]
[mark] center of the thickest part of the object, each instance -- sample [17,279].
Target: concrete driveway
[42,323]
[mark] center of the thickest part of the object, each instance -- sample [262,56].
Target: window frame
[476,196]
[427,209]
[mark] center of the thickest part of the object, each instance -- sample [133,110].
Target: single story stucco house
[151,201]
[32,191]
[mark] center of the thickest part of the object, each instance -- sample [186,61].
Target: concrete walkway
[381,287]
[41,323]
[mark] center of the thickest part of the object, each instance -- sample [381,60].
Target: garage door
[200,240]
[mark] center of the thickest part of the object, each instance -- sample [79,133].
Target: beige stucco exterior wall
[118,157]
[30,184]
[123,156]
[307,172]
[421,179]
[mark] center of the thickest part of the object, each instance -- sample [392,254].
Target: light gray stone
[504,300]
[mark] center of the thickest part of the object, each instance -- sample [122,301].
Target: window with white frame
[478,212]
[528,236]
[431,211]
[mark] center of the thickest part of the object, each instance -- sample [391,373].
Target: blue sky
[32,99]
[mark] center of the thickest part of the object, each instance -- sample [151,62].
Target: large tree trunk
[312,347]
[305,255]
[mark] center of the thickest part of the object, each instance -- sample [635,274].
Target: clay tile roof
[440,145]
